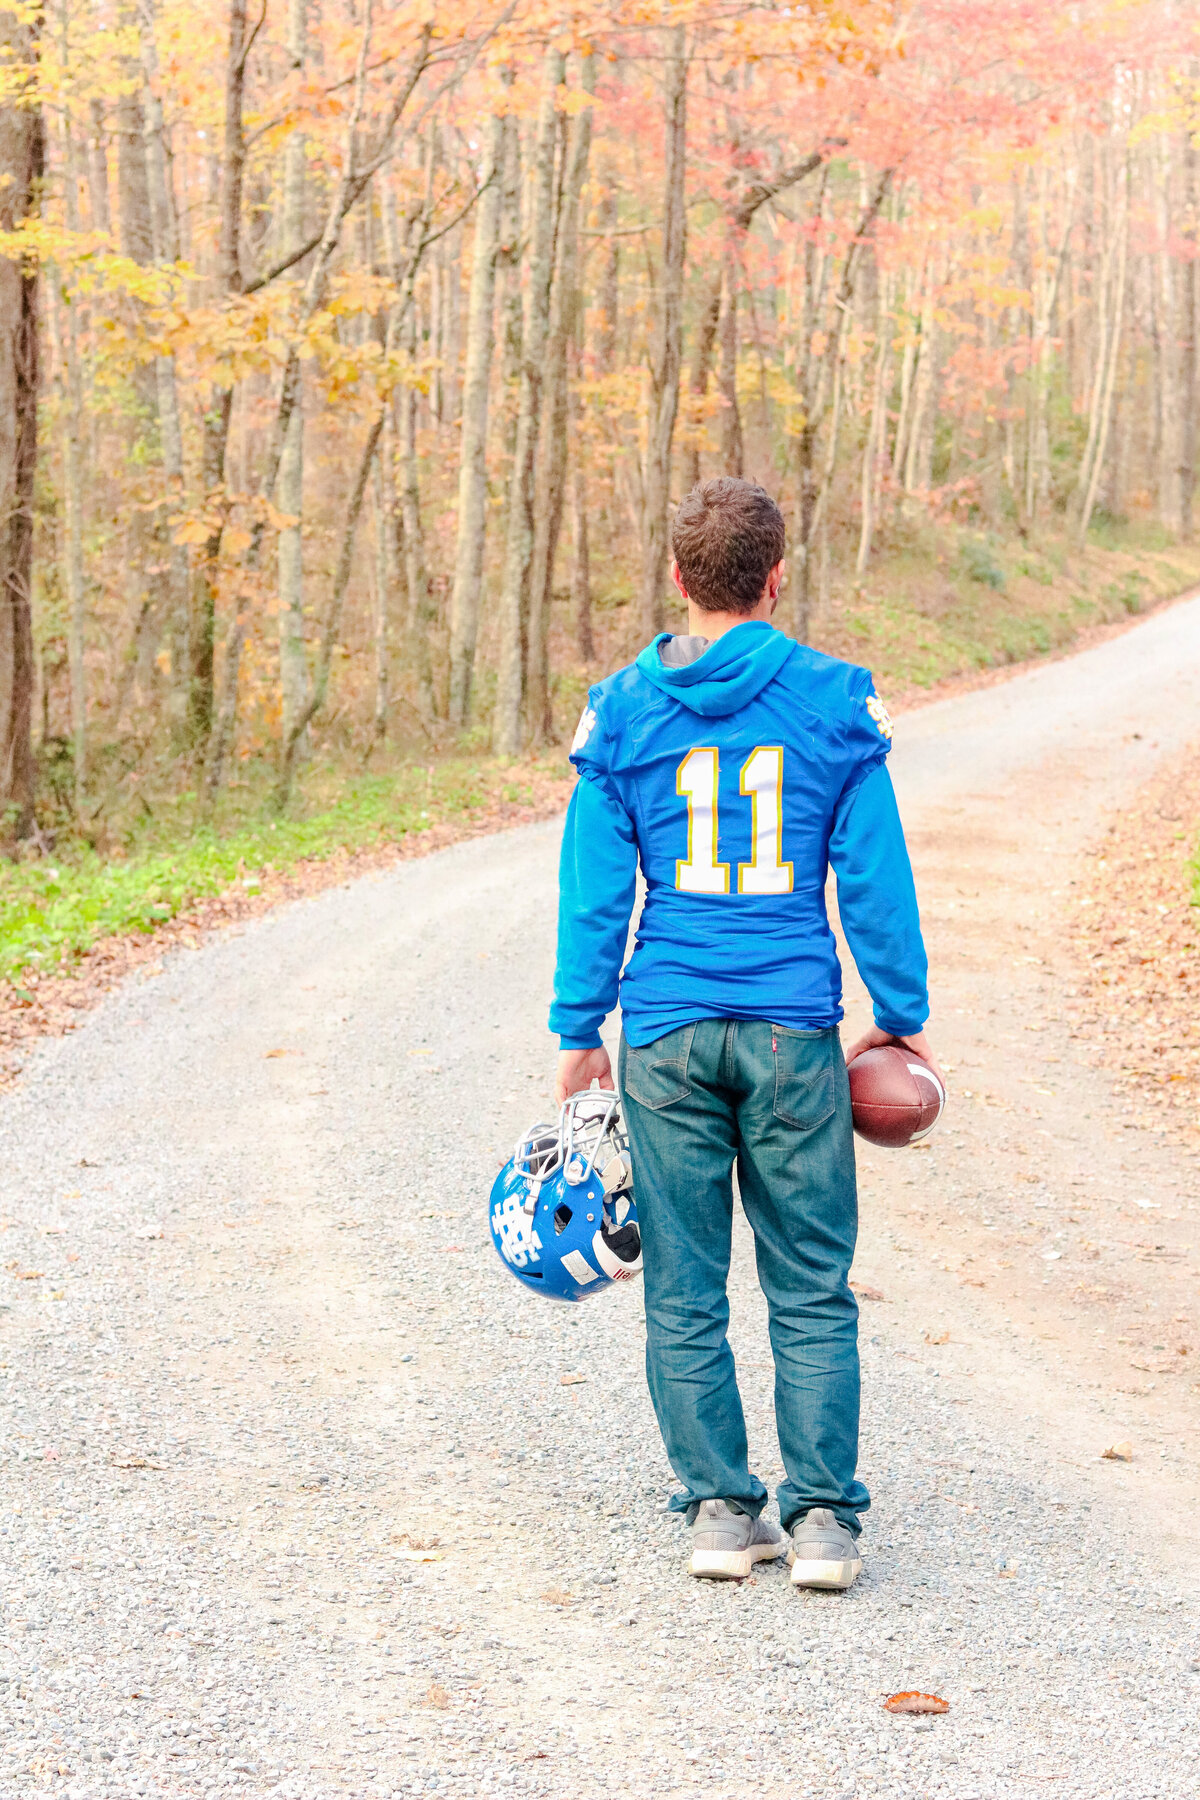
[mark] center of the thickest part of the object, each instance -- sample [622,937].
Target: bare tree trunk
[165,249]
[202,633]
[472,467]
[1112,302]
[1189,367]
[668,341]
[875,448]
[506,722]
[21,164]
[581,566]
[552,472]
[702,355]
[825,388]
[416,579]
[293,664]
[68,314]
[333,619]
[133,185]
[381,580]
[733,448]
[98,167]
[1169,346]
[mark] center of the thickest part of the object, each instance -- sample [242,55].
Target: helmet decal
[518,1241]
[562,1212]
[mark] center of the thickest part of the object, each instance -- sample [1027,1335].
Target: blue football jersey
[734,779]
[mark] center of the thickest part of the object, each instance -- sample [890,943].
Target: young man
[738,765]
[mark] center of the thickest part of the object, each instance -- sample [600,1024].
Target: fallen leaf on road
[571,1380]
[915,1703]
[147,1232]
[866,1293]
[937,1337]
[436,1695]
[453,1249]
[418,1555]
[20,1274]
[1122,1452]
[273,1053]
[135,1462]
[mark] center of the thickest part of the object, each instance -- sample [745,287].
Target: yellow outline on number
[751,794]
[717,868]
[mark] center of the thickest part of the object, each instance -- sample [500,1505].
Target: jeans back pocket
[805,1076]
[655,1075]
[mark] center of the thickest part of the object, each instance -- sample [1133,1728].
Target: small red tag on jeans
[774,1045]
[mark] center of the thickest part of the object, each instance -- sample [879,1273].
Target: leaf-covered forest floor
[1138,935]
[939,612]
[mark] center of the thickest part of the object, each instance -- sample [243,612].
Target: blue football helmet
[561,1210]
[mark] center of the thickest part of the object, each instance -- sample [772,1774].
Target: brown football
[895,1096]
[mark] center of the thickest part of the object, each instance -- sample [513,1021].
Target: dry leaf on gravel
[915,1703]
[20,1274]
[271,1054]
[418,1555]
[571,1380]
[1122,1452]
[866,1293]
[437,1696]
[937,1337]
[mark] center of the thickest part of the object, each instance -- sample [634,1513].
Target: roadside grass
[56,907]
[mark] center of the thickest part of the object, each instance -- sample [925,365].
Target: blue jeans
[776,1102]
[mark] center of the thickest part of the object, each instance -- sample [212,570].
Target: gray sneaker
[823,1553]
[725,1544]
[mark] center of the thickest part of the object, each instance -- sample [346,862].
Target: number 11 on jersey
[697,780]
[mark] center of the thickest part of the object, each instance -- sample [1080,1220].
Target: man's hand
[577,1069]
[871,1039]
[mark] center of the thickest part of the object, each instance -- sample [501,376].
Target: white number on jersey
[762,780]
[697,780]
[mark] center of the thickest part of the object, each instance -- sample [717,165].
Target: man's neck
[713,625]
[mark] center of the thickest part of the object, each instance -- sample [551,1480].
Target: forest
[352,356]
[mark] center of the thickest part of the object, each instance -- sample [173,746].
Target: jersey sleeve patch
[583,730]
[881,716]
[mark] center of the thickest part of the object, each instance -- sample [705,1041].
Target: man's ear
[774,583]
[677,578]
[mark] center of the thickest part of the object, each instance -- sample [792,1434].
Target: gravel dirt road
[301,1495]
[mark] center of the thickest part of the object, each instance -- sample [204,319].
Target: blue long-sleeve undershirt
[877,903]
[597,882]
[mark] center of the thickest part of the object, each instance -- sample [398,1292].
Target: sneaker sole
[814,1574]
[732,1565]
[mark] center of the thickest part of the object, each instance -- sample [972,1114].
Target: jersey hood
[728,675]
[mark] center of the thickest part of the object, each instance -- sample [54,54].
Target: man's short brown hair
[727,536]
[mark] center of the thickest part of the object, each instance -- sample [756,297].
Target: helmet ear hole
[562,1217]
